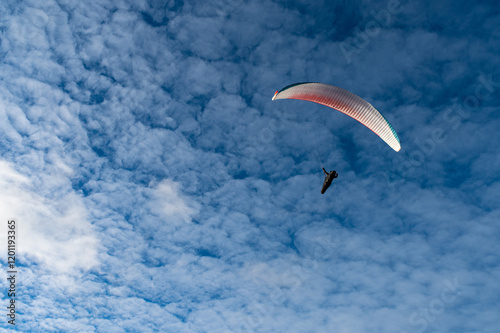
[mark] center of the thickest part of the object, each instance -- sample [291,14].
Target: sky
[158,188]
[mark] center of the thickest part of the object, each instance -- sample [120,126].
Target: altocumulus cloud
[158,188]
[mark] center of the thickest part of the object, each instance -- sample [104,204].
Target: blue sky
[158,187]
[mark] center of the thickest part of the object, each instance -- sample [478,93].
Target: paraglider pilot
[328,179]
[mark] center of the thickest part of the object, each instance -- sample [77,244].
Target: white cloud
[156,184]
[170,205]
[53,232]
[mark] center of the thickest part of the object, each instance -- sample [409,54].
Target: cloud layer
[158,187]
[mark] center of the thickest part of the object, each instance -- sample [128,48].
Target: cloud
[158,187]
[54,232]
[170,205]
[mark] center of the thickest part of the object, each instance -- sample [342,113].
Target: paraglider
[330,176]
[345,102]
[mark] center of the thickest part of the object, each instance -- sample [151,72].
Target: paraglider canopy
[345,102]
